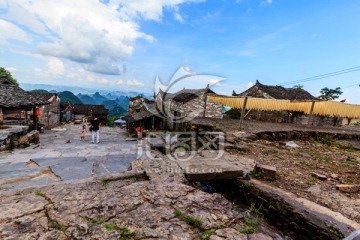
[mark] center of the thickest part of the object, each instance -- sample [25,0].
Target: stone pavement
[126,208]
[61,155]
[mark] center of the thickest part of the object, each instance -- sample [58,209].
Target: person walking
[95,133]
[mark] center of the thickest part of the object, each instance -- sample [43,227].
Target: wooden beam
[311,112]
[242,116]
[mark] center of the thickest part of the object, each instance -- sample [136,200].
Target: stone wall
[183,112]
[50,114]
[16,136]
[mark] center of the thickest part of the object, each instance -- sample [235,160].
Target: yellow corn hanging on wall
[321,108]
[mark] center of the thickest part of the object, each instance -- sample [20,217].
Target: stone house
[260,90]
[66,111]
[49,114]
[181,107]
[142,117]
[15,104]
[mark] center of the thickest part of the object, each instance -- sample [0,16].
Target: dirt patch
[339,161]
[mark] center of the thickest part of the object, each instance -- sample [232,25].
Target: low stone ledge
[299,215]
[265,171]
[348,188]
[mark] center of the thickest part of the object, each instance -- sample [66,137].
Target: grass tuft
[125,233]
[193,221]
[206,235]
[109,226]
[39,193]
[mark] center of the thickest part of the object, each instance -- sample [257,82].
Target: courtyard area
[62,156]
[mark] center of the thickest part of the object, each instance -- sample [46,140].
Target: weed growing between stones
[39,193]
[109,226]
[105,183]
[252,222]
[55,224]
[94,221]
[206,235]
[125,233]
[193,221]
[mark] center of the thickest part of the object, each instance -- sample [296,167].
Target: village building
[82,112]
[14,120]
[66,112]
[15,104]
[181,107]
[260,90]
[49,114]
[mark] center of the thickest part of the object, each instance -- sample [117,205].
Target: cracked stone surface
[62,156]
[94,210]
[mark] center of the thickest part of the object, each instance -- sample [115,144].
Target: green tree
[330,94]
[298,86]
[7,74]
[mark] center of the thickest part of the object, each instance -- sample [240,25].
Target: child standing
[83,133]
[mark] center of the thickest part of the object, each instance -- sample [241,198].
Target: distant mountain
[76,90]
[98,98]
[67,96]
[86,99]
[114,108]
[39,90]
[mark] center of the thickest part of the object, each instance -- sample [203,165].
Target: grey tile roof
[12,96]
[144,112]
[42,95]
[277,92]
[184,95]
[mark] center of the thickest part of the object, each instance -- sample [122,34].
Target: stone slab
[15,170]
[203,167]
[29,183]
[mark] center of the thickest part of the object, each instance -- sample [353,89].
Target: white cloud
[177,15]
[99,36]
[56,66]
[249,84]
[266,2]
[11,69]
[134,83]
[11,31]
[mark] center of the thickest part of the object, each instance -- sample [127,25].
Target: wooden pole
[243,112]
[311,112]
[35,119]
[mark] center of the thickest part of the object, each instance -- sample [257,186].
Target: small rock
[68,141]
[298,173]
[348,188]
[318,176]
[267,172]
[304,154]
[334,176]
[259,236]
[230,233]
[292,144]
[246,176]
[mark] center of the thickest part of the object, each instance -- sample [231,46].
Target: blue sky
[125,44]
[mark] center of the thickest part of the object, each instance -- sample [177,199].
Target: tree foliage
[8,75]
[330,94]
[298,86]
